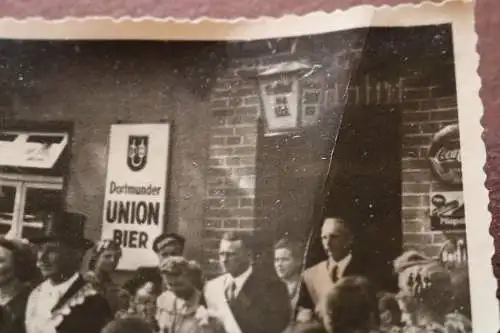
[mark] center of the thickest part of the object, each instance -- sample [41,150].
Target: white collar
[240,280]
[341,264]
[63,287]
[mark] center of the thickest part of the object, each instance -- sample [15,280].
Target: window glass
[7,203]
[38,202]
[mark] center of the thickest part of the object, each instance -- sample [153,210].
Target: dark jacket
[13,313]
[141,276]
[262,304]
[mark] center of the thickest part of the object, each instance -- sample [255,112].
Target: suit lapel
[353,267]
[350,268]
[359,266]
[73,289]
[248,290]
[216,299]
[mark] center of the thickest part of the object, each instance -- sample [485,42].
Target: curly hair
[179,265]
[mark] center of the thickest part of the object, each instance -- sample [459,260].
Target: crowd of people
[44,289]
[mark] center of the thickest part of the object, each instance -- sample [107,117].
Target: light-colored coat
[218,306]
[317,281]
[175,315]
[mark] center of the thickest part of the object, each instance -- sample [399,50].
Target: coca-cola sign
[445,157]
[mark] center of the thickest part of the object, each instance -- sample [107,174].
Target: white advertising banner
[136,180]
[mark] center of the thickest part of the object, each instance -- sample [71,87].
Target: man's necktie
[334,273]
[230,291]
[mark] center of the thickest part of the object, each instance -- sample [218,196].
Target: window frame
[22,183]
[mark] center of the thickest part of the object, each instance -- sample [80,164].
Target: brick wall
[428,103]
[233,201]
[426,109]
[215,157]
[230,181]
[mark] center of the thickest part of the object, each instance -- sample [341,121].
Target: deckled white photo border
[485,309]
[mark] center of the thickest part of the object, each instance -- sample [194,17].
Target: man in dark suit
[318,280]
[64,302]
[243,299]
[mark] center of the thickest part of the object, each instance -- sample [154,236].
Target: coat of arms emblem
[137,155]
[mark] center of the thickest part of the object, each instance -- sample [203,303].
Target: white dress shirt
[40,307]
[238,281]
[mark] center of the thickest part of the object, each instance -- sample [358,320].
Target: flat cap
[168,239]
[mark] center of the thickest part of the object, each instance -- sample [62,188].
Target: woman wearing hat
[18,276]
[103,262]
[181,308]
[427,296]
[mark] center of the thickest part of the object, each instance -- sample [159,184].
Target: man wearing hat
[165,245]
[64,302]
[168,245]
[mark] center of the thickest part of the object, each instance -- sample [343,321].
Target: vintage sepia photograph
[315,181]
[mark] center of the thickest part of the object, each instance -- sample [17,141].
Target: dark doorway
[291,172]
[366,187]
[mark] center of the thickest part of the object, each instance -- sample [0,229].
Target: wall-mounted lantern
[289,102]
